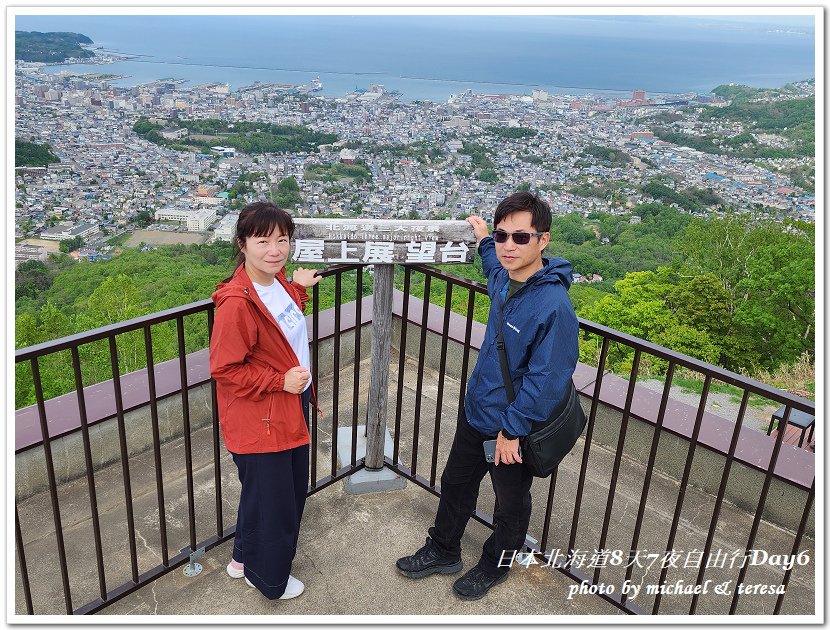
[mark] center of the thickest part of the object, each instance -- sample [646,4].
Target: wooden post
[381,243]
[379,378]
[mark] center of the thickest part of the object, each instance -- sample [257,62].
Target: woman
[260,360]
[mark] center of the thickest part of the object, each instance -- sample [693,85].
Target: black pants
[460,483]
[274,489]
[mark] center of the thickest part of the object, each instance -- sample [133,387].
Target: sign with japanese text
[380,241]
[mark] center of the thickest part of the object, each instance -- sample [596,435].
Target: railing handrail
[719,373]
[136,323]
[105,332]
[107,595]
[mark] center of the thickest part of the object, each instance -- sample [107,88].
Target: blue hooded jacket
[540,333]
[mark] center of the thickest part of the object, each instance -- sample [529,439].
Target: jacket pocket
[247,421]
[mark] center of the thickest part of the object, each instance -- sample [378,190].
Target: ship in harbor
[316,84]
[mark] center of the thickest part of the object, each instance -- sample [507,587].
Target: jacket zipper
[267,420]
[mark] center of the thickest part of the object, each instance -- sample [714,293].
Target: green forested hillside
[62,297]
[250,137]
[631,247]
[33,154]
[49,47]
[792,118]
[735,292]
[741,294]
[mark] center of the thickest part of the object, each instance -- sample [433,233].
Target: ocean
[432,57]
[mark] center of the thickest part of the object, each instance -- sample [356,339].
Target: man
[529,302]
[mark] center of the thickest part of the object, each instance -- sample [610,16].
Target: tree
[33,154]
[570,229]
[488,175]
[641,308]
[115,300]
[142,218]
[71,244]
[288,193]
[31,279]
[288,184]
[768,272]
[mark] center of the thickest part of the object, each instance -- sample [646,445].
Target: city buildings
[195,220]
[426,160]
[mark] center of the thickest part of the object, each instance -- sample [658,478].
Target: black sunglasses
[520,238]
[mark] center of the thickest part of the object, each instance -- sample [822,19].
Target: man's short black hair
[525,202]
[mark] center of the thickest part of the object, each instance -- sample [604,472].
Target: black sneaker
[475,583]
[426,561]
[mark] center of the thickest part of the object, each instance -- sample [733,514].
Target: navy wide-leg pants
[274,488]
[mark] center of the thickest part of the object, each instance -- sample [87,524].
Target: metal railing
[33,355]
[106,594]
[640,347]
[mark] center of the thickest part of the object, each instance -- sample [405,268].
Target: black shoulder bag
[548,442]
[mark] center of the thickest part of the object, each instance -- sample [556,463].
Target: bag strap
[505,370]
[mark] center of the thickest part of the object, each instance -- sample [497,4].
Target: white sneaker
[293,589]
[234,572]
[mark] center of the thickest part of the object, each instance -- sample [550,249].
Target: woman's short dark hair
[260,219]
[525,202]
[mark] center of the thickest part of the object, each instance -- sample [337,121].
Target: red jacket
[249,356]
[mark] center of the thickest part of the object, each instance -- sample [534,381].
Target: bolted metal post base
[193,568]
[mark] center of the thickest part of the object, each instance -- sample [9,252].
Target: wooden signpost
[382,243]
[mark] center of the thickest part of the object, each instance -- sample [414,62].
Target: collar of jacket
[242,280]
[532,279]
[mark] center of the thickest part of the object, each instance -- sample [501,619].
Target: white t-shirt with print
[289,317]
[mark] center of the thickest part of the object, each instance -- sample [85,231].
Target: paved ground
[349,543]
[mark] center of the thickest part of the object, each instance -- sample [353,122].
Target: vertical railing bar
[407,275]
[315,373]
[154,417]
[543,545]
[188,448]
[796,544]
[125,457]
[90,474]
[53,484]
[358,328]
[782,426]
[465,361]
[684,483]
[335,390]
[24,570]
[612,489]
[730,456]
[583,469]
[420,383]
[217,465]
[439,400]
[652,456]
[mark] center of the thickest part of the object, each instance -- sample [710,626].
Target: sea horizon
[606,55]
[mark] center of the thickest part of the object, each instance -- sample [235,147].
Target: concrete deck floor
[349,543]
